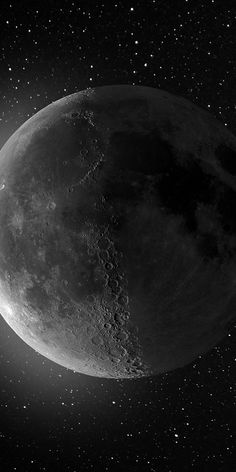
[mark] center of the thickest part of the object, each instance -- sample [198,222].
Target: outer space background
[52,419]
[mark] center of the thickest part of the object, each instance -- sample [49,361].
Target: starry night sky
[52,419]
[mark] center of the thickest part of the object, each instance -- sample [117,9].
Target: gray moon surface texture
[118,231]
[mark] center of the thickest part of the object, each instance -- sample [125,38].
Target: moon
[117,241]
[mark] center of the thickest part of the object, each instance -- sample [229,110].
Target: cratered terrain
[118,224]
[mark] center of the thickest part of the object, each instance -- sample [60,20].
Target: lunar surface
[118,224]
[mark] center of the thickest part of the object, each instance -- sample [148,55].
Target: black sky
[50,418]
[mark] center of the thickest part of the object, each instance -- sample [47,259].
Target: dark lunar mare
[178,186]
